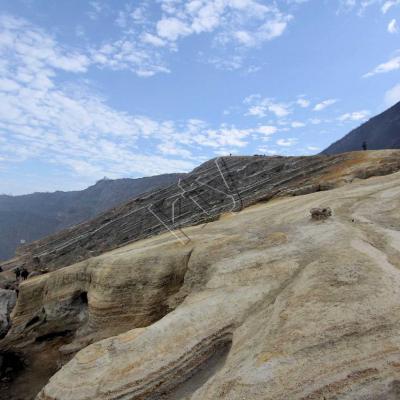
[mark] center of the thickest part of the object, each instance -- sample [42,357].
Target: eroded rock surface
[109,293]
[306,310]
[262,304]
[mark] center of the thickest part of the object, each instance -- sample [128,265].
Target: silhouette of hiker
[364,146]
[17,272]
[24,273]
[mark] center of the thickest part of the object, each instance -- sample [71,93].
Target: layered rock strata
[218,186]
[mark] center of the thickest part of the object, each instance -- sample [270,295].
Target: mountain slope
[216,187]
[380,132]
[33,216]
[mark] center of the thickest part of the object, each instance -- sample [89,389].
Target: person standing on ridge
[24,273]
[364,146]
[17,272]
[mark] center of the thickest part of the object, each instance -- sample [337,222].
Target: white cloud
[152,39]
[297,124]
[246,22]
[222,137]
[313,148]
[97,8]
[354,116]
[362,5]
[145,43]
[391,65]
[304,103]
[260,107]
[172,149]
[392,26]
[8,85]
[324,104]
[172,29]
[387,5]
[71,126]
[267,130]
[286,142]
[43,116]
[392,96]
[229,63]
[231,25]
[257,111]
[132,14]
[280,110]
[126,54]
[140,55]
[346,5]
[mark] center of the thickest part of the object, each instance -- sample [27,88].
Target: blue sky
[136,88]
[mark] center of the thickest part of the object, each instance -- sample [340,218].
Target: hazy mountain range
[33,216]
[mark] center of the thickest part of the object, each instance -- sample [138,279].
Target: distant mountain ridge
[34,216]
[380,132]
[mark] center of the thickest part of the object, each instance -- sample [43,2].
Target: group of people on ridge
[21,273]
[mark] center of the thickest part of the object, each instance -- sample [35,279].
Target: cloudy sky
[135,88]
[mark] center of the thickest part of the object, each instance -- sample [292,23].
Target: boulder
[319,213]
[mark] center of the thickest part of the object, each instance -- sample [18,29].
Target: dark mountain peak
[378,133]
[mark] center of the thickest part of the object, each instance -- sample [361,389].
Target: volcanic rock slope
[220,185]
[261,304]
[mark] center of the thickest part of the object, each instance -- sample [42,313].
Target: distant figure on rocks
[24,273]
[17,272]
[1,269]
[364,146]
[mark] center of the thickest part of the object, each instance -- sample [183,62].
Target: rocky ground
[266,303]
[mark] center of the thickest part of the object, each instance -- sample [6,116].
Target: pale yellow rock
[311,309]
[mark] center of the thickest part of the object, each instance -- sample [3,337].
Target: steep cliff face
[380,132]
[108,293]
[218,186]
[262,304]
